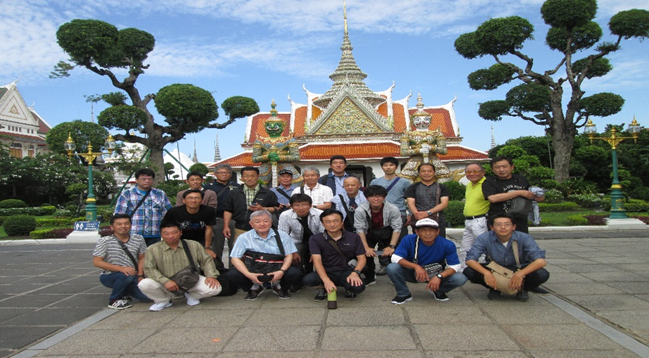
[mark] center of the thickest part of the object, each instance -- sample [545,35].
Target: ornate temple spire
[348,72]
[195,157]
[217,153]
[420,119]
[493,139]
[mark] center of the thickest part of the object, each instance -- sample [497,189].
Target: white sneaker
[191,301]
[159,306]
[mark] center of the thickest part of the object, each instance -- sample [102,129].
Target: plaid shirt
[147,218]
[250,193]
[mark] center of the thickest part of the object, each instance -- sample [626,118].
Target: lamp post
[617,198]
[89,157]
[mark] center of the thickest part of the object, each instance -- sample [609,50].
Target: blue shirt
[359,199]
[251,241]
[442,251]
[488,244]
[397,194]
[281,198]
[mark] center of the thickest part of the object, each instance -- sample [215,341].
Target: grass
[561,218]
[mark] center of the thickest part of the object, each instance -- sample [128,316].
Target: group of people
[324,234]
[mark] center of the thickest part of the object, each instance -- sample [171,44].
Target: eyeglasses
[219,173]
[503,224]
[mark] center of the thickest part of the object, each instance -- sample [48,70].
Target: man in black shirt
[195,220]
[422,198]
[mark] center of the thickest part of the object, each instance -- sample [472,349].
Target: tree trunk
[563,139]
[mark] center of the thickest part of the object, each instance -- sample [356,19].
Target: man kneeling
[497,246]
[331,252]
[166,258]
[425,257]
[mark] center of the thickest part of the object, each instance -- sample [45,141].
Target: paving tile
[569,277]
[525,314]
[52,317]
[590,268]
[13,289]
[365,316]
[616,277]
[351,338]
[33,300]
[130,319]
[581,353]
[557,336]
[630,287]
[101,342]
[286,316]
[453,337]
[42,279]
[7,314]
[262,339]
[444,315]
[610,302]
[480,353]
[67,288]
[185,340]
[581,288]
[636,320]
[14,337]
[81,300]
[371,354]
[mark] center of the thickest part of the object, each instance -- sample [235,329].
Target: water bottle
[332,300]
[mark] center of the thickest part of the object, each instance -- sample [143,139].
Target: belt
[474,217]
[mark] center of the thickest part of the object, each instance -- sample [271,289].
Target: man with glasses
[497,246]
[195,220]
[475,210]
[222,186]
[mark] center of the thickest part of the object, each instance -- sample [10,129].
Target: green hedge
[636,206]
[12,203]
[577,220]
[454,213]
[60,233]
[54,222]
[19,225]
[39,211]
[565,206]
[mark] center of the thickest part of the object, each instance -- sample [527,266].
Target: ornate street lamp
[89,157]
[617,198]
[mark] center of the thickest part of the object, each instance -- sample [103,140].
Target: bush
[171,188]
[572,187]
[12,203]
[62,213]
[553,196]
[106,213]
[454,213]
[39,211]
[641,193]
[50,222]
[636,206]
[19,225]
[595,219]
[565,206]
[456,190]
[62,233]
[2,219]
[589,201]
[577,220]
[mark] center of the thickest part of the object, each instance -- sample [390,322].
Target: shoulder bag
[189,276]
[519,207]
[502,274]
[261,262]
[431,269]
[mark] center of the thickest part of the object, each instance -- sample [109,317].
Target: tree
[539,98]
[81,132]
[200,168]
[99,47]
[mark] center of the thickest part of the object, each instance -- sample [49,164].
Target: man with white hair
[321,195]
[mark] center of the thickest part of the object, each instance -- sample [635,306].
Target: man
[301,222]
[165,259]
[377,223]
[284,190]
[222,187]
[422,197]
[262,239]
[334,180]
[120,272]
[475,210]
[396,187]
[423,250]
[195,220]
[347,204]
[145,205]
[245,201]
[320,195]
[504,187]
[497,246]
[195,182]
[332,263]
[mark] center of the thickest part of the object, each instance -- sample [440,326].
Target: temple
[364,126]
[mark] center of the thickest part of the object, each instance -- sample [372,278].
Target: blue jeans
[399,275]
[122,285]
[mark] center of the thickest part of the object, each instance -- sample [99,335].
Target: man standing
[195,220]
[222,187]
[377,223]
[121,257]
[505,186]
[164,259]
[245,201]
[331,252]
[497,246]
[262,238]
[425,257]
[475,210]
[334,180]
[396,187]
[284,190]
[145,205]
[423,200]
[195,182]
[348,204]
[320,194]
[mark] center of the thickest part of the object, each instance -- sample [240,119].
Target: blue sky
[269,49]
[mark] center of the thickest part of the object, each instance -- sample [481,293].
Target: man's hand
[277,275]
[490,280]
[354,280]
[433,284]
[296,259]
[255,207]
[329,286]
[420,215]
[516,283]
[388,251]
[369,252]
[254,277]
[211,282]
[171,286]
[526,194]
[420,274]
[226,231]
[210,252]
[408,220]
[127,270]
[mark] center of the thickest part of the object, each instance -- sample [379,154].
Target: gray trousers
[218,241]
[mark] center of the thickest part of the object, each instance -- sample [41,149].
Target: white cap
[427,222]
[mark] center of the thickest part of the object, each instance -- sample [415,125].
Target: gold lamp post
[617,198]
[89,157]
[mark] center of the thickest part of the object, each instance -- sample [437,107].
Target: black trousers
[381,239]
[338,278]
[532,280]
[291,276]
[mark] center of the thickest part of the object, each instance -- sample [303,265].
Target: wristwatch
[284,271]
[357,272]
[439,276]
[392,246]
[429,213]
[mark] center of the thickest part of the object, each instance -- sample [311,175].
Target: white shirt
[320,194]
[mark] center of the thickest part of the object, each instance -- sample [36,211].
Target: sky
[270,49]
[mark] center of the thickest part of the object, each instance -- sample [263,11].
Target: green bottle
[332,300]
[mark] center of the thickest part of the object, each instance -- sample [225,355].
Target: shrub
[553,196]
[49,222]
[62,233]
[565,206]
[456,190]
[589,201]
[19,225]
[641,193]
[577,220]
[62,213]
[636,206]
[577,186]
[106,213]
[2,219]
[39,211]
[454,213]
[595,219]
[12,203]
[171,188]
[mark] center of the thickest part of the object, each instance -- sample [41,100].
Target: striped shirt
[110,250]
[250,193]
[147,218]
[320,194]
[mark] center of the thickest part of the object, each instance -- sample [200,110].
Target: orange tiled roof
[300,119]
[398,117]
[441,118]
[463,153]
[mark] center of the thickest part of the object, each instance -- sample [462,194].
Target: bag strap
[283,193]
[515,249]
[189,254]
[139,203]
[342,200]
[438,193]
[391,185]
[414,260]
[335,246]
[279,242]
[222,190]
[128,253]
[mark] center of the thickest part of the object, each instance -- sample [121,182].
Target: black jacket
[237,205]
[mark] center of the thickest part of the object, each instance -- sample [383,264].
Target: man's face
[332,223]
[121,227]
[171,235]
[144,182]
[223,175]
[285,179]
[352,185]
[193,200]
[250,178]
[338,167]
[474,173]
[261,224]
[427,233]
[389,168]
[301,208]
[376,201]
[195,182]
[503,227]
[503,169]
[310,178]
[427,173]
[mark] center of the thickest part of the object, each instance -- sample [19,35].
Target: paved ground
[599,308]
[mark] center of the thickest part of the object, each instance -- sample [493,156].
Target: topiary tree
[200,168]
[81,133]
[539,98]
[19,225]
[101,48]
[12,203]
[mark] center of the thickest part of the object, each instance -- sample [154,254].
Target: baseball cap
[427,222]
[285,171]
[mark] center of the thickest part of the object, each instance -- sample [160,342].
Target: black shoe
[522,296]
[297,287]
[382,271]
[281,293]
[127,298]
[493,294]
[440,296]
[320,294]
[350,295]
[539,290]
[398,300]
[253,294]
[369,281]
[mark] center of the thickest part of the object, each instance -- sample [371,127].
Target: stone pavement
[599,308]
